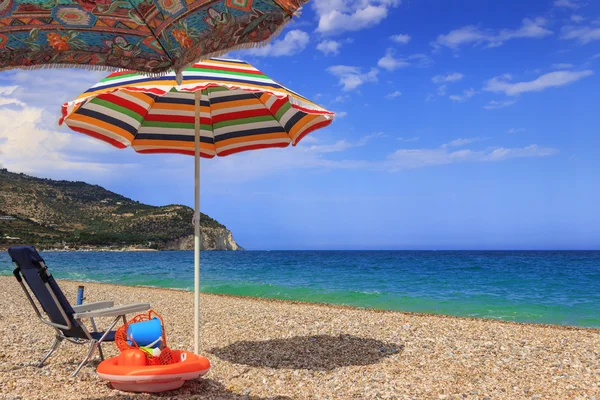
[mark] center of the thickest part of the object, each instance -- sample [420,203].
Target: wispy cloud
[329,47]
[503,84]
[341,99]
[473,35]
[391,63]
[581,34]
[496,104]
[466,95]
[513,131]
[406,159]
[342,145]
[393,95]
[292,43]
[315,156]
[577,18]
[451,77]
[460,142]
[351,77]
[562,66]
[408,139]
[400,38]
[338,16]
[567,4]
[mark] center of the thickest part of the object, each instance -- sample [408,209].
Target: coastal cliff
[212,239]
[66,215]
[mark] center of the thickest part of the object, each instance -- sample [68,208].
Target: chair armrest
[93,306]
[114,311]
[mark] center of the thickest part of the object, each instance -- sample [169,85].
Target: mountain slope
[52,213]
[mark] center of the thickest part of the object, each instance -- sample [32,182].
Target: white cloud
[533,150]
[562,66]
[391,63]
[253,164]
[495,104]
[582,34]
[503,84]
[6,96]
[342,145]
[566,4]
[409,139]
[423,60]
[405,159]
[341,99]
[352,77]
[453,77]
[595,56]
[292,43]
[400,38]
[466,95]
[329,47]
[337,16]
[577,18]
[473,35]
[460,142]
[393,94]
[512,131]
[442,90]
[341,114]
[28,145]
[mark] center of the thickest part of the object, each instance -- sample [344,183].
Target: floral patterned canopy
[152,36]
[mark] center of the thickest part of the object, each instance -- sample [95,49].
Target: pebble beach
[268,349]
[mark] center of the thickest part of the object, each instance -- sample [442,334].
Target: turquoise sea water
[527,286]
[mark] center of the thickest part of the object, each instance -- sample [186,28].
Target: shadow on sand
[198,389]
[321,352]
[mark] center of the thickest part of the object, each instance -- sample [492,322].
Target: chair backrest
[31,266]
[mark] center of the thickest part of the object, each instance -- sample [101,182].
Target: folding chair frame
[87,311]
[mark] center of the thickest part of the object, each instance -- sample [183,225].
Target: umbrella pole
[197,241]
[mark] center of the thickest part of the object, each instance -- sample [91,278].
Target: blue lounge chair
[64,318]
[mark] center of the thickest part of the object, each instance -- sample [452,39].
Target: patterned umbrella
[152,36]
[221,107]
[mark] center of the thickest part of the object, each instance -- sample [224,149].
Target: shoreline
[267,349]
[342,306]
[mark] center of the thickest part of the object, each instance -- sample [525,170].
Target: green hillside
[51,213]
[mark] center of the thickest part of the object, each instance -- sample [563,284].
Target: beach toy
[132,357]
[146,364]
[154,378]
[146,333]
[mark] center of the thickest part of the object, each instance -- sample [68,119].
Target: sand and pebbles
[263,349]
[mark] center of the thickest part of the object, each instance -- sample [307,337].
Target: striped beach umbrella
[220,108]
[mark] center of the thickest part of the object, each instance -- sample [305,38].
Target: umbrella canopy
[152,36]
[240,109]
[221,107]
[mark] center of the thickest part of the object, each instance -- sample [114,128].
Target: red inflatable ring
[154,378]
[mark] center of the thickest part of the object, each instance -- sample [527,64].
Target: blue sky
[461,125]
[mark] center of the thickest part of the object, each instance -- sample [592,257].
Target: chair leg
[55,344]
[93,345]
[100,351]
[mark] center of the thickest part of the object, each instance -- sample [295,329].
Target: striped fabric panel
[214,72]
[160,119]
[112,117]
